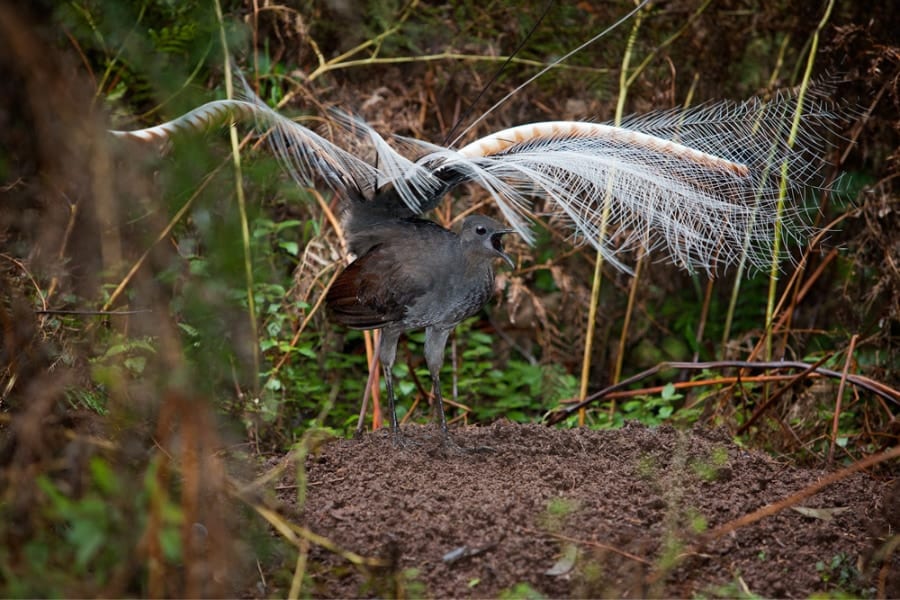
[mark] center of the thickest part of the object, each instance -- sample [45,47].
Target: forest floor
[532,511]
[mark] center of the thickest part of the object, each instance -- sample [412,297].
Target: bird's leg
[435,342]
[436,392]
[387,352]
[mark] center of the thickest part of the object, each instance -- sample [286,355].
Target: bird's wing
[377,289]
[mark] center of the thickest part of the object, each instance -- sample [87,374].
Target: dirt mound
[582,513]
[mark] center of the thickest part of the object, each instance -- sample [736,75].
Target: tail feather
[209,116]
[702,185]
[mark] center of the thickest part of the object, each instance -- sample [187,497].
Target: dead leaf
[566,561]
[825,514]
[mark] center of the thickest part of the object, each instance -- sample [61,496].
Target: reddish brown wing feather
[365,296]
[368,294]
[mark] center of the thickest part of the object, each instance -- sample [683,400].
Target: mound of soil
[581,513]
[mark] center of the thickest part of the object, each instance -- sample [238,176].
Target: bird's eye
[481,230]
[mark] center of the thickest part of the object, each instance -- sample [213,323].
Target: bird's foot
[449,446]
[399,440]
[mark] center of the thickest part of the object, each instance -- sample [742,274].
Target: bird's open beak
[497,243]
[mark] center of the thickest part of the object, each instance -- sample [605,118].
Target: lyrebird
[707,186]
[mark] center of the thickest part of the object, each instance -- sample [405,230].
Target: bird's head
[483,236]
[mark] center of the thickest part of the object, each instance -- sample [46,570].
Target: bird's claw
[399,440]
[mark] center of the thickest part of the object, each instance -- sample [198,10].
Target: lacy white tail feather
[700,184]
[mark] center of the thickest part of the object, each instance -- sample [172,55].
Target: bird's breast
[460,299]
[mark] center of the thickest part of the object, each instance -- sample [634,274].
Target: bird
[707,186]
[416,274]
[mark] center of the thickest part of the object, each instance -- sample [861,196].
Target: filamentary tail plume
[699,185]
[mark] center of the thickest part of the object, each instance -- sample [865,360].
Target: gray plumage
[415,274]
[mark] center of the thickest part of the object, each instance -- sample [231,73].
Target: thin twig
[840,396]
[372,343]
[602,230]
[810,490]
[775,508]
[783,192]
[303,324]
[780,392]
[294,534]
[93,313]
[242,204]
[875,387]
[37,288]
[715,381]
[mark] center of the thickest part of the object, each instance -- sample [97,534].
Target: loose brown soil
[478,523]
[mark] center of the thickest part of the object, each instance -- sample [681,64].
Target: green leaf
[87,536]
[136,364]
[170,541]
[292,248]
[669,392]
[104,477]
[307,350]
